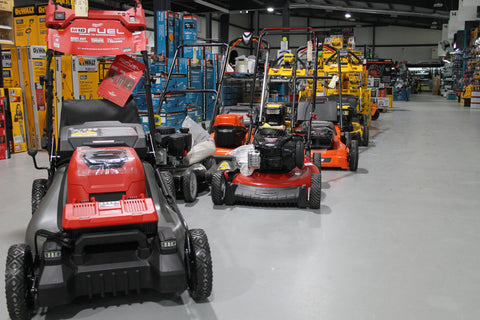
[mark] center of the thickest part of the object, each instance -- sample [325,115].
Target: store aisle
[396,240]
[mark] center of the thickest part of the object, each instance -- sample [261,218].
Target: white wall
[363,35]
[390,35]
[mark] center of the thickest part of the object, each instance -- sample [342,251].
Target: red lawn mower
[105,222]
[281,173]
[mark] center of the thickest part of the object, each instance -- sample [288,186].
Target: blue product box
[195,113]
[195,76]
[165,21]
[174,103]
[194,99]
[172,119]
[141,102]
[189,27]
[140,87]
[178,29]
[189,52]
[144,120]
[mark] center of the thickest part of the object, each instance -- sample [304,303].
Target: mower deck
[272,189]
[112,270]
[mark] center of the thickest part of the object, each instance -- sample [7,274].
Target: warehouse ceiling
[430,14]
[426,14]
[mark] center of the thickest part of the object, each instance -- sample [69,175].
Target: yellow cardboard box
[18,119]
[25,25]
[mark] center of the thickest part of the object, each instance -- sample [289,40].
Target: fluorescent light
[348,15]
[270,9]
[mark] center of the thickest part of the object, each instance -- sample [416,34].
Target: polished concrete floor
[398,239]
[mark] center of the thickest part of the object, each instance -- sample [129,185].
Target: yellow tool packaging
[17,111]
[26,25]
[11,78]
[32,64]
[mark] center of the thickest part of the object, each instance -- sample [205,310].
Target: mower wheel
[353,156]
[189,185]
[211,165]
[219,188]
[39,189]
[200,277]
[317,160]
[315,191]
[366,136]
[348,139]
[299,154]
[376,115]
[18,282]
[170,182]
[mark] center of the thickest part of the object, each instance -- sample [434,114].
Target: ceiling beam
[371,11]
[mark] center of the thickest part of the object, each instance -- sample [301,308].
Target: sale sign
[121,79]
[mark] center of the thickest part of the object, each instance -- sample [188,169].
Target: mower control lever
[32,153]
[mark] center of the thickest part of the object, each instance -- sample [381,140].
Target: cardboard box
[189,27]
[41,26]
[165,21]
[32,64]
[6,5]
[85,76]
[25,25]
[7,69]
[3,131]
[17,111]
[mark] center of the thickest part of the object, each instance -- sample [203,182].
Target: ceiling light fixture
[348,15]
[438,4]
[270,9]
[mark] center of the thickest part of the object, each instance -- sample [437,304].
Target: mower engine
[105,188]
[275,114]
[276,151]
[172,146]
[321,135]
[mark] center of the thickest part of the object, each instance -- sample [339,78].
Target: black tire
[200,278]
[18,282]
[167,178]
[376,115]
[299,154]
[315,191]
[189,185]
[353,156]
[348,139]
[366,136]
[219,187]
[39,189]
[317,160]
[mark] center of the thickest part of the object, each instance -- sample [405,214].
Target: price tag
[81,8]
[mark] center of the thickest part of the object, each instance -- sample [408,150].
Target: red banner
[121,79]
[96,38]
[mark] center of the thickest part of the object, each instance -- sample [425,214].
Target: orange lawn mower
[229,129]
[326,124]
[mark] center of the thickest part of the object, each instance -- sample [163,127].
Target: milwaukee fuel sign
[96,38]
